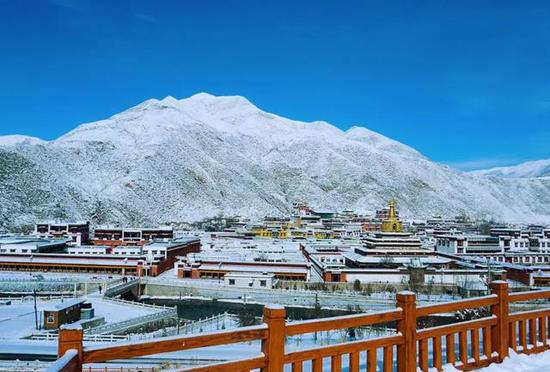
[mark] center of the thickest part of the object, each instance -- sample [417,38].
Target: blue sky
[466,83]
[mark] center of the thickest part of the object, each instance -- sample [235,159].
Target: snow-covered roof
[69,260]
[428,260]
[64,305]
[250,275]
[254,268]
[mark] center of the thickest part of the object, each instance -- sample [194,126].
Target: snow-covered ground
[115,312]
[516,363]
[17,320]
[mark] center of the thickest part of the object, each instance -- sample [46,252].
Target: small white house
[250,280]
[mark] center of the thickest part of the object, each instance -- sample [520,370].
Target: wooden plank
[450,346]
[463,346]
[388,359]
[343,348]
[523,315]
[69,362]
[317,365]
[336,363]
[512,338]
[437,359]
[542,330]
[348,321]
[475,366]
[354,361]
[297,367]
[371,360]
[236,365]
[522,334]
[406,353]
[423,354]
[533,332]
[499,331]
[273,347]
[474,336]
[529,295]
[168,344]
[487,347]
[456,305]
[456,327]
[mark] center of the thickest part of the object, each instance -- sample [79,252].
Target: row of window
[263,283]
[16,251]
[522,259]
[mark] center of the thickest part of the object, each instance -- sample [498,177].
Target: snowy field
[515,363]
[17,320]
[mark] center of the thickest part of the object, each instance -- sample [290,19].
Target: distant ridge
[536,168]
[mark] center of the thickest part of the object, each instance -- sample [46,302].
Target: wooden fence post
[406,353]
[500,310]
[274,346]
[70,337]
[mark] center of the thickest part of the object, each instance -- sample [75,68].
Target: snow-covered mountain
[182,160]
[537,168]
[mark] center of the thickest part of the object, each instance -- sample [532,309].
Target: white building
[249,280]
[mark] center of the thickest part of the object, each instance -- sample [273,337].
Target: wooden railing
[465,344]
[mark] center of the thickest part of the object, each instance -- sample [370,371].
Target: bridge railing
[466,344]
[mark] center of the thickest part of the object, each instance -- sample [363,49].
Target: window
[263,283]
[50,318]
[231,281]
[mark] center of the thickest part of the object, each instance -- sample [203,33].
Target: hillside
[183,160]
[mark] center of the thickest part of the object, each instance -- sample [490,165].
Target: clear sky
[465,82]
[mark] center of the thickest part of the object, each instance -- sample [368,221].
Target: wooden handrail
[530,314]
[529,295]
[456,327]
[234,365]
[339,322]
[498,333]
[175,343]
[343,348]
[67,363]
[456,305]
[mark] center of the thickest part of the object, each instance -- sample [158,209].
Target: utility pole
[35,310]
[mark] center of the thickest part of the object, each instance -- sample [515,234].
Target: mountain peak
[184,160]
[222,102]
[15,139]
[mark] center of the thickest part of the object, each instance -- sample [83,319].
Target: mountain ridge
[528,169]
[173,160]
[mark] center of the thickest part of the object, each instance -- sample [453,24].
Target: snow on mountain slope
[182,160]
[537,168]
[15,139]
